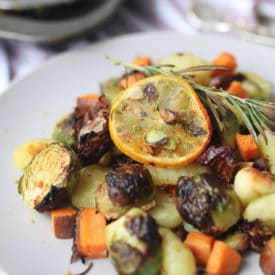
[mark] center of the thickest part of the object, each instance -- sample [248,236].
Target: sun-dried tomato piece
[220,159]
[258,234]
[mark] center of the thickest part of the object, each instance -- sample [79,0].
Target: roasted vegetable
[256,232]
[266,147]
[262,208]
[93,137]
[225,59]
[90,234]
[182,61]
[222,81]
[164,176]
[111,89]
[247,147]
[250,184]
[134,244]
[177,257]
[129,184]
[125,187]
[207,203]
[201,245]
[48,180]
[220,159]
[256,86]
[91,177]
[63,222]
[105,205]
[223,260]
[236,89]
[267,259]
[25,152]
[64,130]
[165,212]
[238,241]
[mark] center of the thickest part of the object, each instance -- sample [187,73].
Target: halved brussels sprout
[48,180]
[207,203]
[64,130]
[134,244]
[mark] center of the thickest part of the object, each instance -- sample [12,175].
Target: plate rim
[55,58]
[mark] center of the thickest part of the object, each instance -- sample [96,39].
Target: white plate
[31,106]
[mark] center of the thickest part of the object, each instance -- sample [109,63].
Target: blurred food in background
[52,20]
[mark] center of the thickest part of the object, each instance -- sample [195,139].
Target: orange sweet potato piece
[247,146]
[63,222]
[225,59]
[142,61]
[91,97]
[90,239]
[201,245]
[267,259]
[237,90]
[130,79]
[223,260]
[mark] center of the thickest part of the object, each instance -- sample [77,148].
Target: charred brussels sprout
[48,180]
[134,244]
[64,130]
[207,203]
[125,187]
[129,184]
[93,135]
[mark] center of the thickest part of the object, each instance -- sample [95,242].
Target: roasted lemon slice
[160,121]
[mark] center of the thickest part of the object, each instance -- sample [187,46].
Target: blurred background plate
[30,4]
[56,23]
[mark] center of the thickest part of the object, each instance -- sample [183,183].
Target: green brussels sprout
[111,89]
[48,180]
[207,203]
[64,130]
[134,244]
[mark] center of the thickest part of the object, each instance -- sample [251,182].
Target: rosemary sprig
[258,116]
